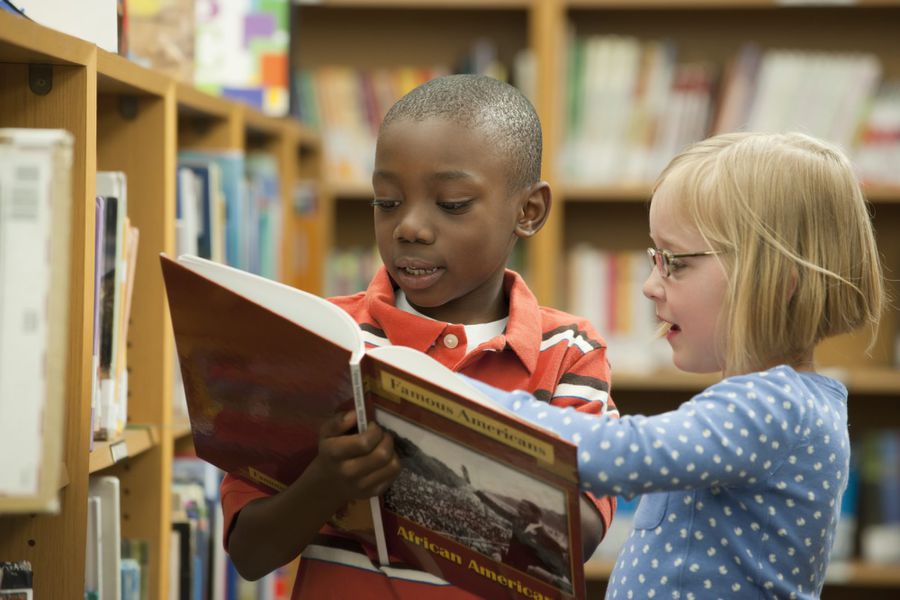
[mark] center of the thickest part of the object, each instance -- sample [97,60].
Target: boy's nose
[414,227]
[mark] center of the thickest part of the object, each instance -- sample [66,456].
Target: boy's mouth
[417,274]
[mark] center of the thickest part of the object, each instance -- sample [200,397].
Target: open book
[485,501]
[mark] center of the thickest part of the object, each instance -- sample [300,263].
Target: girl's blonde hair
[796,240]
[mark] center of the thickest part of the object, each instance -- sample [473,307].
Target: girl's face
[691,298]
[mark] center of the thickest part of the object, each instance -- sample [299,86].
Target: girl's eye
[384,204]
[456,206]
[676,264]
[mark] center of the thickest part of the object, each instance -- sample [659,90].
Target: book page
[307,310]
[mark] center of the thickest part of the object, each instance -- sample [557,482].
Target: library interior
[244,132]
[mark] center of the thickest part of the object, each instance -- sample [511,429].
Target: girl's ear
[534,209]
[792,286]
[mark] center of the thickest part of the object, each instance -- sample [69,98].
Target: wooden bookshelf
[71,105]
[128,118]
[859,574]
[131,443]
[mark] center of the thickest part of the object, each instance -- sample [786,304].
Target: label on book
[402,389]
[118,451]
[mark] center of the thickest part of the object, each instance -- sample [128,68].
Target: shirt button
[451,341]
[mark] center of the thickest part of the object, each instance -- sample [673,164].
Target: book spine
[359,398]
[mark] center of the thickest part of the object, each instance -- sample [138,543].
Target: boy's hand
[355,465]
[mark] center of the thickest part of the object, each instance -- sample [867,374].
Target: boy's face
[445,220]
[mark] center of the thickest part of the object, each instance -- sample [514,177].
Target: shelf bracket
[40,79]
[128,107]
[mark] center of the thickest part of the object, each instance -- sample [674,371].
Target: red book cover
[258,387]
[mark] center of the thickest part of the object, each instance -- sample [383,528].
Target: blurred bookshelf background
[244,131]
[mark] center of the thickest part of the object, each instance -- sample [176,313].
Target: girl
[763,248]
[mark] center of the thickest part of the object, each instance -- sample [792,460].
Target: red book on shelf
[485,501]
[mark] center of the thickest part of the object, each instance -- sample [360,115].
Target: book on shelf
[223,202]
[161,36]
[92,552]
[106,490]
[16,580]
[116,271]
[485,500]
[241,52]
[879,535]
[36,212]
[95,21]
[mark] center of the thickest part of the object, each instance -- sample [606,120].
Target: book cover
[36,217]
[161,35]
[107,490]
[485,501]
[241,51]
[16,580]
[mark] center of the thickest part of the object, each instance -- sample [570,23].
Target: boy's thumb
[338,424]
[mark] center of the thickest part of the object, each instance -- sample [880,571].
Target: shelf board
[349,190]
[194,102]
[24,41]
[718,4]
[259,124]
[132,442]
[875,381]
[598,569]
[309,137]
[856,573]
[181,428]
[663,379]
[117,75]
[877,194]
[606,193]
[419,4]
[870,381]
[63,476]
[883,194]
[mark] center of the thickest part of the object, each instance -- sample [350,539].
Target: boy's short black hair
[476,101]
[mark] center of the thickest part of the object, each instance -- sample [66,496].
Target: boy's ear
[534,209]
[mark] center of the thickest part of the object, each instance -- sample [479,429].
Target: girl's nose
[653,286]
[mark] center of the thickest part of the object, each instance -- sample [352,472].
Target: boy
[457,183]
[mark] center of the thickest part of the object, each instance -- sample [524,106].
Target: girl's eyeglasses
[662,259]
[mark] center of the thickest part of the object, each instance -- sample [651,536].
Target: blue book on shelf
[206,198]
[231,165]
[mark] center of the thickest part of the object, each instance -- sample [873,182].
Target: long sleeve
[737,432]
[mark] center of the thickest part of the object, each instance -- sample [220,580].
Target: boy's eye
[385,204]
[455,206]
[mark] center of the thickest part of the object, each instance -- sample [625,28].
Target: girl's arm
[737,432]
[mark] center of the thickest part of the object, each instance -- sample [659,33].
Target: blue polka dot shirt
[741,485]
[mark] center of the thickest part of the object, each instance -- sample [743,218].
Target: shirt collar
[523,331]
[395,321]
